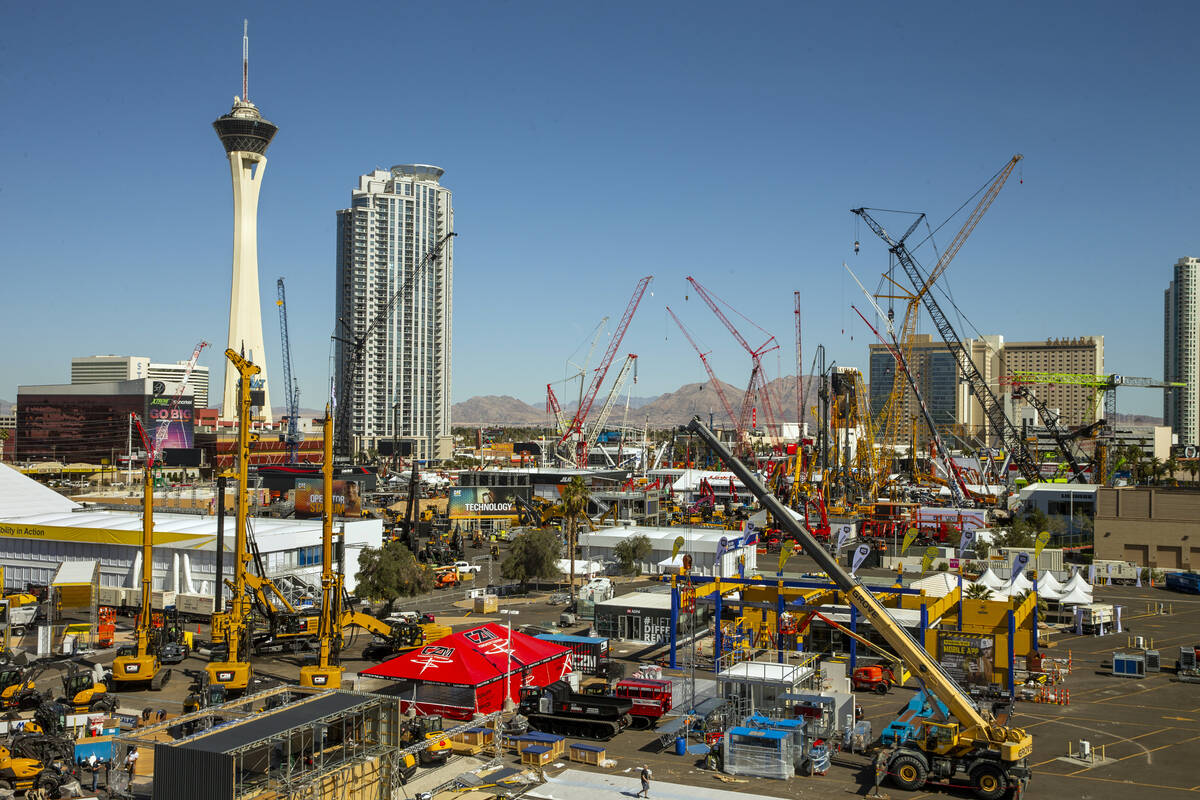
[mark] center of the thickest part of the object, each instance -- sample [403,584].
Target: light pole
[508,613]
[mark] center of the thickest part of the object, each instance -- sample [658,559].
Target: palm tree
[1193,469]
[1170,468]
[977,591]
[574,501]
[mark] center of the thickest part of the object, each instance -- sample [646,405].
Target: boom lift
[234,673]
[964,741]
[142,665]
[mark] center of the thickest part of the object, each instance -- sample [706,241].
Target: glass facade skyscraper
[1181,351]
[402,392]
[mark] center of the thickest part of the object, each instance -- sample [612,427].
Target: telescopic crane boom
[1001,425]
[291,390]
[994,757]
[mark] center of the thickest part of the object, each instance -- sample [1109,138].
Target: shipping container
[590,652]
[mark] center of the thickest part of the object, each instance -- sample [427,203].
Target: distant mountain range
[6,407]
[672,408]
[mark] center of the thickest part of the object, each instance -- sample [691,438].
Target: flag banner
[1019,562]
[927,560]
[1043,539]
[909,538]
[675,548]
[784,555]
[860,555]
[966,543]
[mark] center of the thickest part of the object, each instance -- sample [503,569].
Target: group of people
[93,764]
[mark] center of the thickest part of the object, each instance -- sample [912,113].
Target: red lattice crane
[758,380]
[589,397]
[711,375]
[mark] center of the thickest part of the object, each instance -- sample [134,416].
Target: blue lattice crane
[291,390]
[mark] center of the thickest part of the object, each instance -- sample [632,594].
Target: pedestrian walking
[94,767]
[645,792]
[131,762]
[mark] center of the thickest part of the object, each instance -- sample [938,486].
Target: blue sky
[588,145]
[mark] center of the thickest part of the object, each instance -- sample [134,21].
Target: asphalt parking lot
[1147,729]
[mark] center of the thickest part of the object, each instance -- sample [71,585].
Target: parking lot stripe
[1124,782]
[1147,753]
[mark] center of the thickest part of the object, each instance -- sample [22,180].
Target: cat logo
[224,677]
[480,635]
[132,667]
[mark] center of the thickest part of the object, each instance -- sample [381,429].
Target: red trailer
[652,699]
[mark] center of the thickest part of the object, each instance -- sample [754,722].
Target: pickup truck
[464,567]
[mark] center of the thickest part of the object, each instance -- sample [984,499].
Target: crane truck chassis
[947,737]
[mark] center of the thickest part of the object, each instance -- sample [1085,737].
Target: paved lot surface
[1149,729]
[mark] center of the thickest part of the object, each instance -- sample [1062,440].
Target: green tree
[1170,467]
[534,554]
[977,591]
[574,503]
[1193,469]
[389,572]
[630,551]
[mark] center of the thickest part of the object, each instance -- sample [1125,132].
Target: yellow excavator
[139,665]
[234,671]
[943,736]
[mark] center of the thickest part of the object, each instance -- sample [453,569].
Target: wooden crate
[475,736]
[587,753]
[537,755]
[485,604]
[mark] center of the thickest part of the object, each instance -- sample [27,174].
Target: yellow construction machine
[235,672]
[943,736]
[138,665]
[327,671]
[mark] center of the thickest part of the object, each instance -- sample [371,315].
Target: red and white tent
[464,673]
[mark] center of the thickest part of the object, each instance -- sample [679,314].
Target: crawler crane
[955,740]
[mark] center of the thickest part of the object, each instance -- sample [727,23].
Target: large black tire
[880,689]
[989,781]
[907,771]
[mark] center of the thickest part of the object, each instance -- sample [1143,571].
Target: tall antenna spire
[246,60]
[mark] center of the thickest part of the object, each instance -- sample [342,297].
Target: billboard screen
[968,658]
[485,502]
[178,421]
[311,503]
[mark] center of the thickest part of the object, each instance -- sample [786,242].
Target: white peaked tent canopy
[1046,580]
[989,579]
[1047,592]
[1021,584]
[1075,582]
[1075,597]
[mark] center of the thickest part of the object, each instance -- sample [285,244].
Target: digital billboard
[179,421]
[485,502]
[310,500]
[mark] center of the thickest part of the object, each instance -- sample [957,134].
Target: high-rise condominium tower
[402,393]
[1181,351]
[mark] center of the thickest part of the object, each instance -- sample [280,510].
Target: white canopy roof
[990,580]
[940,584]
[581,567]
[22,496]
[1076,597]
[1047,592]
[1046,580]
[1077,581]
[1020,584]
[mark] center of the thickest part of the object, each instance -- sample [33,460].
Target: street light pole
[508,615]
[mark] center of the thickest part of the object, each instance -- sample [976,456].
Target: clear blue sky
[588,144]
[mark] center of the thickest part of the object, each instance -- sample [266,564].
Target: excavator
[943,736]
[41,756]
[141,666]
[85,690]
[18,689]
